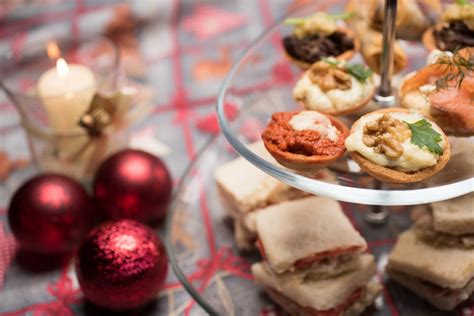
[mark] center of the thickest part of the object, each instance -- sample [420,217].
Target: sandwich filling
[323,264]
[306,133]
[323,295]
[295,308]
[329,86]
[433,292]
[390,140]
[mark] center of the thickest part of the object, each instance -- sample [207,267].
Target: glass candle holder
[53,84]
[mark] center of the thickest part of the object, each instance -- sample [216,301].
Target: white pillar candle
[66,92]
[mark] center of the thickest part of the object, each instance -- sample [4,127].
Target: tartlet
[443,91]
[334,87]
[319,36]
[386,144]
[305,140]
[456,30]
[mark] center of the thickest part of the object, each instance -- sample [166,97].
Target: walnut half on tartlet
[398,146]
[305,141]
[334,87]
[318,36]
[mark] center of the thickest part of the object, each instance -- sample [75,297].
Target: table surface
[179,50]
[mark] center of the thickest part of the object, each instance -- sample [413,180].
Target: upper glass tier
[261,83]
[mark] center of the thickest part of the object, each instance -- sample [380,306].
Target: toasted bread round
[344,56]
[305,163]
[386,174]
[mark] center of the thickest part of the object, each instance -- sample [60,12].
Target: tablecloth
[180,50]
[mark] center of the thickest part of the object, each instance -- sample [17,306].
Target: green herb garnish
[423,135]
[458,69]
[336,16]
[463,2]
[358,71]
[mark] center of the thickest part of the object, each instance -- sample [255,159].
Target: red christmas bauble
[50,213]
[121,265]
[133,184]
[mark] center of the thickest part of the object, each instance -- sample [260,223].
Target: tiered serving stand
[199,235]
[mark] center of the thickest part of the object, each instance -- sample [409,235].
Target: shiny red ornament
[50,213]
[133,184]
[121,265]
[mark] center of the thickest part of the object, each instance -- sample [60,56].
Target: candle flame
[62,67]
[53,50]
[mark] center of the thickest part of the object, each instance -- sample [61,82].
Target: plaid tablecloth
[180,50]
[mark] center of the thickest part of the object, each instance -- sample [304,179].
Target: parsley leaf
[360,72]
[423,135]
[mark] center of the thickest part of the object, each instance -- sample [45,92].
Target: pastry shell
[305,163]
[354,108]
[390,175]
[428,38]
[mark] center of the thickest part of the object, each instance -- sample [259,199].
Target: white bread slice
[245,188]
[299,229]
[446,267]
[321,294]
[244,238]
[455,216]
[422,216]
[438,297]
[371,291]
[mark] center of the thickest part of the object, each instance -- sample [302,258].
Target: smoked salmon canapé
[443,91]
[305,141]
[398,145]
[335,87]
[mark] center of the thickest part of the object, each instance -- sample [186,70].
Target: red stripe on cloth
[268,19]
[25,24]
[17,44]
[388,297]
[8,247]
[381,243]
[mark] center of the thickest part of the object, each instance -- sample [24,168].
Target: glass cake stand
[272,76]
[200,239]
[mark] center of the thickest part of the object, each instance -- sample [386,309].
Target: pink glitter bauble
[50,213]
[133,184]
[121,265]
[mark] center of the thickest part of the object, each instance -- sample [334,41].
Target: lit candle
[66,92]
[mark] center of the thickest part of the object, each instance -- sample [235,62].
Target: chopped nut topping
[328,77]
[386,135]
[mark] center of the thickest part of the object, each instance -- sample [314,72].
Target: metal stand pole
[384,95]
[377,214]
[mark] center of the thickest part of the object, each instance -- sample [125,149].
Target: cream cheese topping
[436,54]
[413,158]
[333,100]
[314,121]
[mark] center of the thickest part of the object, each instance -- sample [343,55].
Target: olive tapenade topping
[453,36]
[313,48]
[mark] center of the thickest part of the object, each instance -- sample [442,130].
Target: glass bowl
[204,257]
[261,82]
